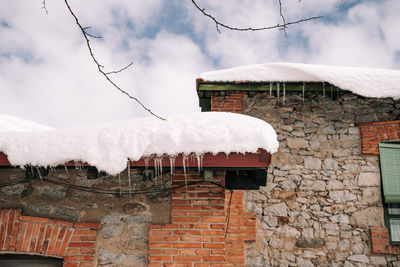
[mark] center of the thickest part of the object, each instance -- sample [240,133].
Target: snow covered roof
[109,146]
[366,82]
[10,123]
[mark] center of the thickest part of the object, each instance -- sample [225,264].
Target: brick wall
[241,228]
[196,236]
[74,242]
[380,242]
[373,133]
[231,102]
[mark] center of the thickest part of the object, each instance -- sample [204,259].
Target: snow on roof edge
[109,146]
[367,82]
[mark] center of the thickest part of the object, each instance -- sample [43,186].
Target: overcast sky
[46,74]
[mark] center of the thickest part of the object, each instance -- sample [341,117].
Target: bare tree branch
[117,71]
[283,17]
[277,26]
[44,7]
[100,67]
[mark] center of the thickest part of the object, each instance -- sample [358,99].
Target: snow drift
[366,82]
[109,146]
[10,123]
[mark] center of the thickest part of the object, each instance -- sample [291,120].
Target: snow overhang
[367,82]
[214,139]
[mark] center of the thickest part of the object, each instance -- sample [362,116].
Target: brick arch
[73,242]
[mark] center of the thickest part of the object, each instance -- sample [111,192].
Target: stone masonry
[122,221]
[322,195]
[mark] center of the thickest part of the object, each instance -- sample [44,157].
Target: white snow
[368,82]
[109,146]
[10,123]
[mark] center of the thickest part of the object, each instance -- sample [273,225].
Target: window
[389,154]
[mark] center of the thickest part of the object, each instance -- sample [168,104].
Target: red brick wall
[373,133]
[241,228]
[380,242]
[196,236]
[74,242]
[231,102]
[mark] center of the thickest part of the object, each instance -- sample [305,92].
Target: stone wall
[322,194]
[122,239]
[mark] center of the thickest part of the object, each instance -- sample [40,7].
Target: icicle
[184,169]
[284,92]
[40,175]
[323,89]
[160,170]
[304,89]
[337,91]
[119,180]
[155,169]
[270,89]
[146,163]
[331,93]
[199,162]
[277,89]
[172,165]
[129,178]
[66,170]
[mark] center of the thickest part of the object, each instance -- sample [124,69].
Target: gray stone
[53,192]
[369,179]
[135,219]
[38,210]
[279,210]
[313,185]
[271,221]
[312,163]
[289,231]
[348,264]
[330,164]
[304,263]
[371,196]
[378,260]
[344,245]
[358,258]
[111,230]
[335,185]
[354,130]
[107,257]
[111,219]
[14,190]
[329,130]
[342,196]
[132,208]
[371,216]
[350,168]
[275,243]
[67,214]
[300,222]
[297,143]
[310,243]
[308,233]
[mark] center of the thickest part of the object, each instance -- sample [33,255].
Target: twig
[44,7]
[100,67]
[283,17]
[117,71]
[277,26]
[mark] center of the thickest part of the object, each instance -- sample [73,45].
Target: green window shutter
[389,153]
[392,221]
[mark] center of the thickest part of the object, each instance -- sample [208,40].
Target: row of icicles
[158,168]
[303,90]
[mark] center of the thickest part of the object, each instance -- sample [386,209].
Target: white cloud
[47,75]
